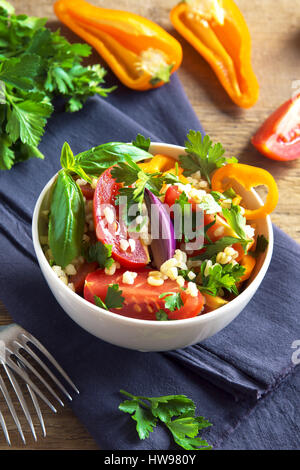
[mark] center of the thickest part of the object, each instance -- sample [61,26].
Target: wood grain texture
[276,56]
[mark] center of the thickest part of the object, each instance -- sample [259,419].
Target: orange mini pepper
[140,53]
[248,176]
[218,31]
[248,262]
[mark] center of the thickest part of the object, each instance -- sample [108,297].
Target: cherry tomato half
[141,300]
[112,233]
[279,136]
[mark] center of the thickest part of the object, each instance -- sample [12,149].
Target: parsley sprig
[113,298]
[176,412]
[37,64]
[202,155]
[221,277]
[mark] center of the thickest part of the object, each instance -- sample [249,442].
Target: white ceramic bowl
[145,335]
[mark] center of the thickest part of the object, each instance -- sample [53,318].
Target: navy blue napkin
[240,379]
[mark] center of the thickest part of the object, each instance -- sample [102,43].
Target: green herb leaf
[261,246]
[113,298]
[145,421]
[172,301]
[161,315]
[37,64]
[213,249]
[236,221]
[176,412]
[141,142]
[98,159]
[221,277]
[99,252]
[67,159]
[66,221]
[202,155]
[21,71]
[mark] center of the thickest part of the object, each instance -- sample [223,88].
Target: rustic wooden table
[275,30]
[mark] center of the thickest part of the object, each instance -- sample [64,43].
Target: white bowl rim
[152,323]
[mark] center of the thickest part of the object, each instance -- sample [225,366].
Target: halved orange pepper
[158,163]
[218,31]
[248,262]
[140,53]
[249,177]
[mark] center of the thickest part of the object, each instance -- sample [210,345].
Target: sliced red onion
[162,230]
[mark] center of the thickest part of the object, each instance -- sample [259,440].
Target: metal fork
[13,339]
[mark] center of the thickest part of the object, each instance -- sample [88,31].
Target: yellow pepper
[140,53]
[248,262]
[218,31]
[249,177]
[158,163]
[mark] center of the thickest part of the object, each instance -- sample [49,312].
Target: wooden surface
[275,30]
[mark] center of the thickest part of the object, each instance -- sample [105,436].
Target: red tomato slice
[279,136]
[141,300]
[172,195]
[111,234]
[79,278]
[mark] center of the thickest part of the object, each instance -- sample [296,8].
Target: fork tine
[49,356]
[34,371]
[43,365]
[35,402]
[11,407]
[4,428]
[21,399]
[20,372]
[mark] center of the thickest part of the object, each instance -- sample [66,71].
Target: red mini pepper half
[279,136]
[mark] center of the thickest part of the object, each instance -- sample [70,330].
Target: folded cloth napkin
[228,376]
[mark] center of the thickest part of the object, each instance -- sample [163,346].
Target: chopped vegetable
[218,31]
[279,136]
[36,65]
[249,177]
[176,412]
[163,246]
[140,53]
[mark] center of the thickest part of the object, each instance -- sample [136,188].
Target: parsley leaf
[99,252]
[141,142]
[161,315]
[221,277]
[212,249]
[236,221]
[36,65]
[172,301]
[176,412]
[113,298]
[202,155]
[261,246]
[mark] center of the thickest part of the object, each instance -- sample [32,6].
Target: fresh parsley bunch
[36,65]
[176,412]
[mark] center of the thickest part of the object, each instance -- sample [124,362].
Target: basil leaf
[67,160]
[66,222]
[98,159]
